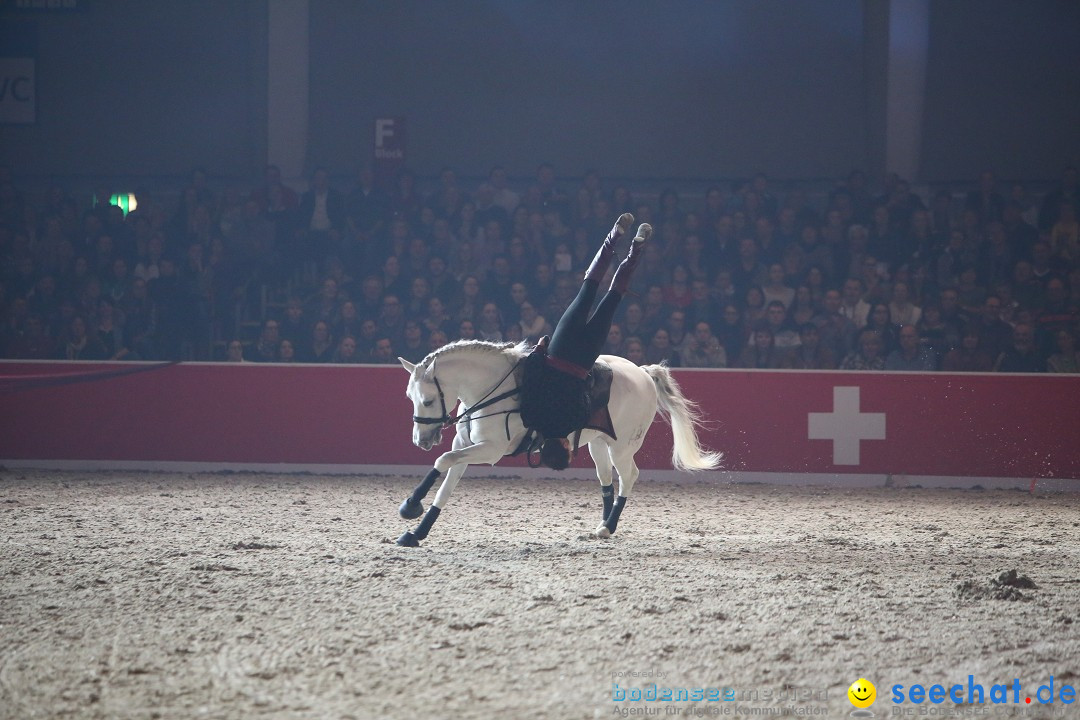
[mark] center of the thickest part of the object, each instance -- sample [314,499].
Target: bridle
[448,420]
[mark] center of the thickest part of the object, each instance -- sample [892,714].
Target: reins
[447,420]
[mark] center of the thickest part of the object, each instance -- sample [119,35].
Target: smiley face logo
[862,693]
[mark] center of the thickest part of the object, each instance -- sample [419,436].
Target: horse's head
[429,405]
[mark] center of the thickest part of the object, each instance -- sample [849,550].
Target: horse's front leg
[453,463]
[413,507]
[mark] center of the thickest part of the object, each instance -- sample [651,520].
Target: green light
[125,201]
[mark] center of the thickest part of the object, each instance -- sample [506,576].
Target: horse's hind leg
[628,475]
[601,457]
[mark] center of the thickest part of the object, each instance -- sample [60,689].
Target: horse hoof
[410,509]
[602,532]
[407,539]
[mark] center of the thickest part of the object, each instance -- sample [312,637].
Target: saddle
[552,400]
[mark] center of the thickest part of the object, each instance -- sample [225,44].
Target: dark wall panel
[136,87]
[1003,89]
[636,88]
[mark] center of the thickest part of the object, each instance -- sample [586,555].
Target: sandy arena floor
[130,595]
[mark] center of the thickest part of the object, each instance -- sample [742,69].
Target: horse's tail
[685,418]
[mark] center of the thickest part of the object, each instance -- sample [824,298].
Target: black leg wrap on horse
[412,508]
[612,520]
[608,493]
[422,529]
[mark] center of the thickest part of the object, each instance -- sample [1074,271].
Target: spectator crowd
[867,276]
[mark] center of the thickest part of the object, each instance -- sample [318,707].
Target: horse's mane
[515,350]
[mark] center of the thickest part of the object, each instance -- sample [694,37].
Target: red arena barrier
[899,425]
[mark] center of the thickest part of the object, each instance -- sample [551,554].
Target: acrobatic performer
[559,409]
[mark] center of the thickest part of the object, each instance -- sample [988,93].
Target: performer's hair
[555,455]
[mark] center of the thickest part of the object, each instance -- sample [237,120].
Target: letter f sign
[384,128]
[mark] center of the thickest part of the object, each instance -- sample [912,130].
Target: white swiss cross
[846,426]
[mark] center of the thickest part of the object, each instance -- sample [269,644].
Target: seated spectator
[762,353]
[812,353]
[901,310]
[702,349]
[419,294]
[468,303]
[677,290]
[1057,313]
[139,321]
[777,288]
[391,319]
[994,333]
[490,327]
[234,352]
[971,294]
[1066,359]
[702,307]
[911,355]
[635,351]
[753,307]
[869,355]
[265,348]
[615,343]
[633,321]
[852,305]
[1023,355]
[466,330]
[878,319]
[293,325]
[436,317]
[414,347]
[365,340]
[803,309]
[346,352]
[660,350]
[731,332]
[320,346]
[384,354]
[533,325]
[326,305]
[349,321]
[970,356]
[110,330]
[676,327]
[935,333]
[436,340]
[78,344]
[836,330]
[784,334]
[512,334]
[286,352]
[1065,234]
[32,343]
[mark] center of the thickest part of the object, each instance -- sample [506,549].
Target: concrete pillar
[287,89]
[909,38]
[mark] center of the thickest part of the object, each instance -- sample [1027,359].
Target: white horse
[483,377]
